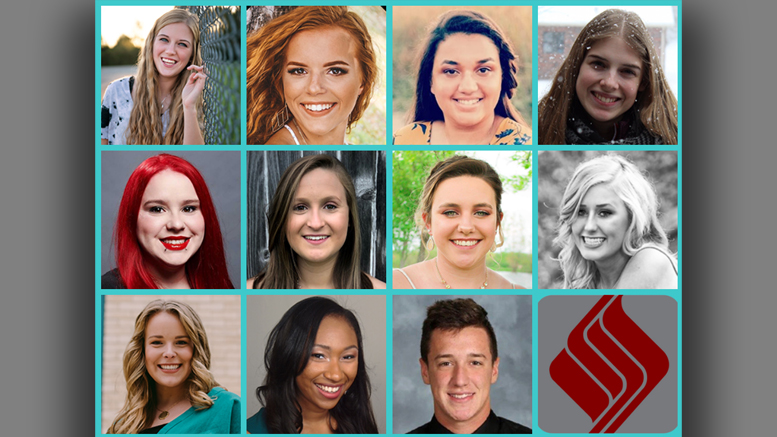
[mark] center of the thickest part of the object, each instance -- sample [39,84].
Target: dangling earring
[281,117]
[494,245]
[430,243]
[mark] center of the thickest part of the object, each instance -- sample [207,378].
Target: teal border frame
[537,294]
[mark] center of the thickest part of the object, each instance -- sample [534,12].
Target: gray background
[558,315]
[221,171]
[511,394]
[264,312]
[47,189]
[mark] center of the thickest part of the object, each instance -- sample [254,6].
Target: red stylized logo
[609,365]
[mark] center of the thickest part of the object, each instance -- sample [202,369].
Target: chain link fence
[220,46]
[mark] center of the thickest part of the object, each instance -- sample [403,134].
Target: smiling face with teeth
[601,226]
[460,370]
[322,80]
[331,368]
[317,225]
[168,351]
[467,80]
[173,49]
[170,227]
[463,221]
[608,82]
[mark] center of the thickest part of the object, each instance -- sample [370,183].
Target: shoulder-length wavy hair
[140,405]
[281,271]
[267,54]
[425,107]
[455,166]
[636,192]
[656,106]
[145,123]
[205,269]
[286,356]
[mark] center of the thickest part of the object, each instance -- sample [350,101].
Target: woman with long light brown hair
[162,103]
[170,389]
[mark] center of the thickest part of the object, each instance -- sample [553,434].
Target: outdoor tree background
[410,170]
[555,170]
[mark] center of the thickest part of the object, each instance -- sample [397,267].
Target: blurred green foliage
[123,53]
[411,27]
[410,169]
[555,170]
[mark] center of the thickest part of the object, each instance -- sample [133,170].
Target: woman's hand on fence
[194,85]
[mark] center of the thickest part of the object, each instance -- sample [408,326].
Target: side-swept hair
[455,315]
[267,54]
[636,192]
[425,107]
[655,105]
[145,123]
[140,404]
[455,166]
[281,271]
[207,268]
[286,356]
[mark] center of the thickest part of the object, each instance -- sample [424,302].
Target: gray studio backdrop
[221,171]
[511,395]
[264,312]
[368,171]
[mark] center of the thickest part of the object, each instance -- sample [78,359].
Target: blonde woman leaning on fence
[461,212]
[161,104]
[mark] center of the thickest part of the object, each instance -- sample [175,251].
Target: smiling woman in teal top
[170,389]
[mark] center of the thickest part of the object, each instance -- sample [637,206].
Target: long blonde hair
[145,122]
[656,105]
[636,192]
[140,404]
[267,53]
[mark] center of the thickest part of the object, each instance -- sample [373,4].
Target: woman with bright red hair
[160,234]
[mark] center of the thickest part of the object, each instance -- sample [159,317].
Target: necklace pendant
[448,287]
[163,414]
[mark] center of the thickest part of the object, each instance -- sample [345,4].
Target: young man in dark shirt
[460,361]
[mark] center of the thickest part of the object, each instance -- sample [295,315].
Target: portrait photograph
[170,75]
[608,220]
[467,369]
[316,75]
[170,364]
[170,220]
[462,75]
[462,219]
[323,354]
[316,219]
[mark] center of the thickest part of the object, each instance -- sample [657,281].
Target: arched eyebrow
[456,205]
[482,61]
[600,58]
[323,346]
[328,64]
[166,36]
